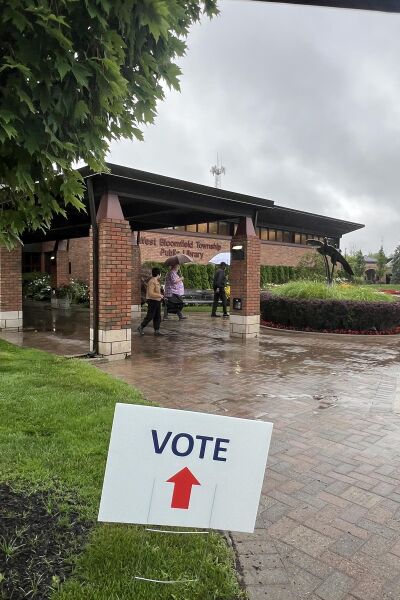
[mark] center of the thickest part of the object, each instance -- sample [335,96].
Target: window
[297,238]
[272,235]
[287,237]
[191,228]
[279,235]
[303,239]
[213,228]
[202,227]
[263,233]
[224,228]
[31,262]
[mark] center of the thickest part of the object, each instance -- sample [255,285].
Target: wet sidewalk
[329,519]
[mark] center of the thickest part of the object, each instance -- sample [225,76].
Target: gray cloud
[302,103]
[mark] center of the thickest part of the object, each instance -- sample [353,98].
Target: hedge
[200,277]
[330,314]
[196,277]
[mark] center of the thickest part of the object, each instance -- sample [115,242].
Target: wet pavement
[64,332]
[329,519]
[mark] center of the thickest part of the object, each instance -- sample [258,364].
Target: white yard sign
[172,467]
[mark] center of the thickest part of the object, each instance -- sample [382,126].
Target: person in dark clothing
[219,291]
[153,297]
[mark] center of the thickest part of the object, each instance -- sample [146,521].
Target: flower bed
[333,316]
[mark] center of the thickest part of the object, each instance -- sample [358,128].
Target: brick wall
[79,258]
[289,255]
[10,279]
[136,280]
[159,246]
[115,274]
[60,275]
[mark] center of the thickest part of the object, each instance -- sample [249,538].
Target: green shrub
[79,292]
[36,286]
[319,290]
[311,266]
[210,273]
[327,314]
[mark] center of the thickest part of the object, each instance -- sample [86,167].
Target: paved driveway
[329,520]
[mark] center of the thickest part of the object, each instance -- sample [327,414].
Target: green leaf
[9,130]
[23,96]
[81,110]
[62,66]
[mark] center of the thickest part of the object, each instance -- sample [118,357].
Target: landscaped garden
[340,308]
[55,424]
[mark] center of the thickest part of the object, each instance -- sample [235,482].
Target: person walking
[174,291]
[153,297]
[219,291]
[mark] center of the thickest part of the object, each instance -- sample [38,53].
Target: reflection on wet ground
[329,519]
[64,332]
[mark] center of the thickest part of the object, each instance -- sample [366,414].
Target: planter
[60,303]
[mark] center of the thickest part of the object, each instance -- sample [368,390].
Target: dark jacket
[219,279]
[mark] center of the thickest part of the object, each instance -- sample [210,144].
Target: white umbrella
[221,257]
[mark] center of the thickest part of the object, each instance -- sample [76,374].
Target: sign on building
[173,467]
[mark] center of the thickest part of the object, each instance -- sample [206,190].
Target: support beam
[60,266]
[136,306]
[115,279]
[245,281]
[11,288]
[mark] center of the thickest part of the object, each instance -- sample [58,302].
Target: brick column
[115,275]
[10,288]
[60,271]
[245,281]
[136,277]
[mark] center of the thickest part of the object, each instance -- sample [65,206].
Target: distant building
[371,271]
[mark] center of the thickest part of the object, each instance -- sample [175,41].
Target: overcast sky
[301,103]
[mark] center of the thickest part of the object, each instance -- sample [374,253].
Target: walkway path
[329,520]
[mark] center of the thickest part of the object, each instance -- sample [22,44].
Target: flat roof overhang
[151,201]
[390,6]
[304,222]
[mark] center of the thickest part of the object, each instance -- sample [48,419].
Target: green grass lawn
[56,417]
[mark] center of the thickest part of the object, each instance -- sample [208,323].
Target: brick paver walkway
[329,520]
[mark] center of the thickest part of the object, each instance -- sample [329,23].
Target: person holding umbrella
[174,288]
[219,291]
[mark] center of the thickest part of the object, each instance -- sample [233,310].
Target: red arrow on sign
[183,482]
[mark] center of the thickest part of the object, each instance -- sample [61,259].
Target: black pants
[173,305]
[219,294]
[153,313]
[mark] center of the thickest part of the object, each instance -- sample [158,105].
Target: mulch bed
[38,534]
[273,325]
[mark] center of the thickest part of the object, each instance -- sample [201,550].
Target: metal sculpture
[326,249]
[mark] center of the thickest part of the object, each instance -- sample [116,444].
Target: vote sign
[173,467]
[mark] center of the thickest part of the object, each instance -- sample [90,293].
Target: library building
[132,217]
[283,233]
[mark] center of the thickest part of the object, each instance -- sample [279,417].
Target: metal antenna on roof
[217,170]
